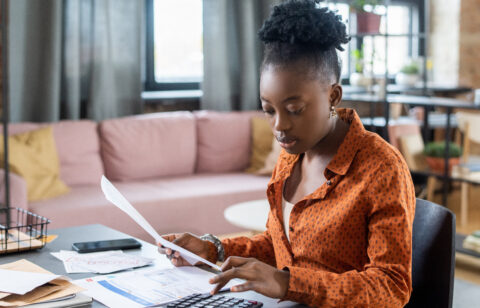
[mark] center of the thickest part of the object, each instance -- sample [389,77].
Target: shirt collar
[342,160]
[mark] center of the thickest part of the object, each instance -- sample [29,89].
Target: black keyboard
[207,301]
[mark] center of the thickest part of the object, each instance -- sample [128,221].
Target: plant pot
[406,79]
[360,80]
[437,164]
[368,22]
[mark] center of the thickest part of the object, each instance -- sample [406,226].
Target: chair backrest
[469,125]
[433,256]
[408,140]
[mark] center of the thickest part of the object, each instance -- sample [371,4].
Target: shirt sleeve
[385,281]
[259,246]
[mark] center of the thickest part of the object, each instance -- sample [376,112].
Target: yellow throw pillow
[33,156]
[265,150]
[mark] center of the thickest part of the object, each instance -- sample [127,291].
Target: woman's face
[297,106]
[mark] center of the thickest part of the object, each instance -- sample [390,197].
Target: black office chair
[433,262]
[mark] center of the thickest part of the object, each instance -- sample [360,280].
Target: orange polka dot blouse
[351,239]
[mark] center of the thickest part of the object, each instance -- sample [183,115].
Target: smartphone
[125,243]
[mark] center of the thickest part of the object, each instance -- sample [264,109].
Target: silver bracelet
[218,244]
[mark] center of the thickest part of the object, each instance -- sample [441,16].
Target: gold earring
[333,112]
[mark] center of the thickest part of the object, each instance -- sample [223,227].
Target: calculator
[206,300]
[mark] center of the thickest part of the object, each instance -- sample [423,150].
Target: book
[472,241]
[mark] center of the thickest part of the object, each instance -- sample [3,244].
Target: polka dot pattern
[351,239]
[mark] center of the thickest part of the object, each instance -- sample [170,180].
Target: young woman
[342,200]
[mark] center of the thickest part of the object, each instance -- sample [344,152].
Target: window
[403,33]
[174,45]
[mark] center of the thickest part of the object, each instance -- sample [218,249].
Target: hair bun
[300,22]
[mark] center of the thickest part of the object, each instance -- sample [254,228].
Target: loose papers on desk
[148,287]
[115,197]
[100,262]
[56,288]
[18,282]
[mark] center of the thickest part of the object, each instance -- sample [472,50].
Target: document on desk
[148,287]
[115,197]
[100,262]
[18,282]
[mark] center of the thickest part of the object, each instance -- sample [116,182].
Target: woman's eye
[296,112]
[268,111]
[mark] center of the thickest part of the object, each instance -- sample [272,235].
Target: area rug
[465,294]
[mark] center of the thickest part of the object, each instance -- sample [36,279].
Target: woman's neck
[328,146]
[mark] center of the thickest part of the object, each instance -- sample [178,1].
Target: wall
[444,33]
[1,59]
[469,64]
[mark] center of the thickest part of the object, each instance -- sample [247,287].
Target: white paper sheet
[115,197]
[18,282]
[99,262]
[147,287]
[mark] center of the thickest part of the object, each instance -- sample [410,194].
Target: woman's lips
[287,143]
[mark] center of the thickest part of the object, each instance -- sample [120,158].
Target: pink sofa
[179,169]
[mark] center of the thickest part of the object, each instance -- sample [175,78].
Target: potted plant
[358,77]
[435,156]
[367,21]
[408,75]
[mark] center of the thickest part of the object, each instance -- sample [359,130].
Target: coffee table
[67,236]
[250,215]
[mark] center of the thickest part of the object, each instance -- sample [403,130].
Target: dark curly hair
[299,32]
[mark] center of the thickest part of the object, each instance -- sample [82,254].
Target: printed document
[147,287]
[100,262]
[115,197]
[18,282]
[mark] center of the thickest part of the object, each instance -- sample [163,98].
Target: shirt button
[329,182]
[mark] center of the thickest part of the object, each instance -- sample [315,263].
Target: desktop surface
[67,236]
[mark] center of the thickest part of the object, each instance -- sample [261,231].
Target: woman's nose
[282,123]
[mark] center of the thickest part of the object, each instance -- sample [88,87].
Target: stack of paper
[25,283]
[100,262]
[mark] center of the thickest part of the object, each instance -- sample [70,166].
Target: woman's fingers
[179,261]
[247,286]
[170,237]
[234,262]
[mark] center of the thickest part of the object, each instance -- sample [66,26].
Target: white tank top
[286,210]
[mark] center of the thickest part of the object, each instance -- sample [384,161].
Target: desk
[250,215]
[67,236]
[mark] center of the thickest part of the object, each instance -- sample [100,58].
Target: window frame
[150,83]
[416,37]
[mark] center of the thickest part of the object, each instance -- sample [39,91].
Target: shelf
[435,120]
[361,35]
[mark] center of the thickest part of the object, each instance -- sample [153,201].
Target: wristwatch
[218,244]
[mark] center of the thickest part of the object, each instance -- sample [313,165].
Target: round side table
[250,215]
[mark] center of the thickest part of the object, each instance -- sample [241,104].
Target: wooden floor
[467,268]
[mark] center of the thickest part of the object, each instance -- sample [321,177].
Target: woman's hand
[188,241]
[259,276]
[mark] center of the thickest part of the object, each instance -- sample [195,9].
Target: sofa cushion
[223,140]
[146,146]
[33,156]
[77,147]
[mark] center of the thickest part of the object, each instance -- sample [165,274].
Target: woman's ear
[336,93]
